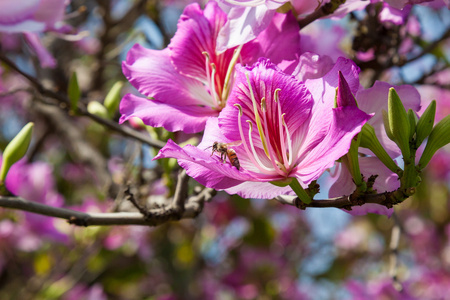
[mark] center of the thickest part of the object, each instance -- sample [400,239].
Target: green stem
[409,181]
[299,191]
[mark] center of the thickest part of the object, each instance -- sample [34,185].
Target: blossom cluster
[241,73]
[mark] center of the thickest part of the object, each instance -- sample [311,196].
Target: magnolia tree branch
[154,217]
[82,110]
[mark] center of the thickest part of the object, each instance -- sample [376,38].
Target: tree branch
[82,110]
[320,12]
[388,199]
[193,207]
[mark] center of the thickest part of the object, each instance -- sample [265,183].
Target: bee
[225,151]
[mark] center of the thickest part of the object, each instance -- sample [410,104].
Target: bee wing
[235,143]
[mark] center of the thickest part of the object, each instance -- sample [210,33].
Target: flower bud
[136,123]
[387,127]
[412,118]
[439,137]
[352,161]
[112,100]
[399,123]
[74,92]
[96,108]
[425,123]
[344,96]
[16,149]
[369,140]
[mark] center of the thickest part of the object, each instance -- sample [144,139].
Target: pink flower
[189,81]
[286,129]
[394,15]
[31,15]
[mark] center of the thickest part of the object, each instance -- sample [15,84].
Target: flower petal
[259,190]
[325,87]
[280,41]
[45,58]
[50,11]
[11,13]
[207,169]
[323,91]
[312,66]
[346,123]
[197,33]
[188,118]
[152,74]
[244,24]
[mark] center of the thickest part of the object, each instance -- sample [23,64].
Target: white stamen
[213,86]
[255,155]
[244,141]
[257,118]
[266,132]
[226,86]
[291,154]
[207,64]
[280,127]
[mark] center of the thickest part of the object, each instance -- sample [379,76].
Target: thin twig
[174,210]
[63,99]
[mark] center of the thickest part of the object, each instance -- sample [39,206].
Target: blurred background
[236,248]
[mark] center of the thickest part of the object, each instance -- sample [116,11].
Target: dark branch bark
[388,199]
[155,217]
[324,10]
